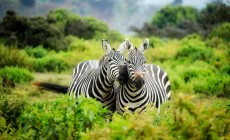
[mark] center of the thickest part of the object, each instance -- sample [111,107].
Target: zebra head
[136,64]
[115,61]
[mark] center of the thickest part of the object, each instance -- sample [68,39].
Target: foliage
[172,22]
[37,52]
[63,118]
[174,16]
[41,33]
[21,31]
[85,28]
[59,17]
[11,56]
[50,64]
[50,32]
[213,15]
[11,107]
[179,21]
[194,49]
[12,75]
[222,31]
[183,119]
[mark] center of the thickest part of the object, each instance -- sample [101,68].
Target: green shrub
[194,72]
[174,15]
[222,31]
[11,107]
[10,56]
[185,118]
[215,85]
[77,44]
[85,28]
[12,75]
[37,52]
[111,36]
[225,69]
[50,64]
[63,118]
[154,41]
[194,49]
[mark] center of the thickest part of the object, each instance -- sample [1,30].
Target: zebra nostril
[139,82]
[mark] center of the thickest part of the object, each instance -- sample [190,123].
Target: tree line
[49,31]
[179,21]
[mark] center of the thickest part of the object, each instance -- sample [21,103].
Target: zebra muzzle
[138,79]
[123,74]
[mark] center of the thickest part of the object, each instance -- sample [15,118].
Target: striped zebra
[95,79]
[147,83]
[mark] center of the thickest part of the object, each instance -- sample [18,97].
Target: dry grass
[36,94]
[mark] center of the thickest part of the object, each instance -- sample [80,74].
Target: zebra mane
[101,60]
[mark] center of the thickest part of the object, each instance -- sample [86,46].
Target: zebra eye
[109,59]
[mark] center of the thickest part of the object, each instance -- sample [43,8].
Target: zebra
[95,79]
[147,83]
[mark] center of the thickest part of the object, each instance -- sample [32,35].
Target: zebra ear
[144,46]
[106,46]
[126,45]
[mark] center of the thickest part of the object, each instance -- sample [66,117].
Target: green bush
[214,85]
[174,15]
[194,72]
[185,118]
[86,28]
[12,75]
[50,64]
[222,31]
[111,36]
[11,107]
[194,49]
[63,118]
[10,56]
[59,17]
[225,69]
[37,52]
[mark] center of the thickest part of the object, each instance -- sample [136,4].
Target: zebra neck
[130,85]
[104,80]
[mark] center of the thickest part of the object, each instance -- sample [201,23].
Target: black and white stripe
[95,79]
[147,84]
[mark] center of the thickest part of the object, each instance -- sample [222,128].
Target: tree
[214,15]
[174,16]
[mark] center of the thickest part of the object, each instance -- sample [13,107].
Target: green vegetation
[179,21]
[51,31]
[198,67]
[222,32]
[86,119]
[174,16]
[15,74]
[61,119]
[11,107]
